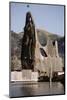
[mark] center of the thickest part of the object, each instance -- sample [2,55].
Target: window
[43,53]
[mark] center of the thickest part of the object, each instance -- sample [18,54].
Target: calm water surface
[18,89]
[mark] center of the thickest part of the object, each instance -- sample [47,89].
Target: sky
[46,17]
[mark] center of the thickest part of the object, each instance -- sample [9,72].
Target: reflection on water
[40,88]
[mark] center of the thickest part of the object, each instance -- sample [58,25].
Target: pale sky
[47,17]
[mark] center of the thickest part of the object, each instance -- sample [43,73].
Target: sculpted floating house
[47,57]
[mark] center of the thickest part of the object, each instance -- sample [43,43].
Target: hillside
[43,36]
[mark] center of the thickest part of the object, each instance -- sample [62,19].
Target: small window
[53,43]
[43,53]
[42,38]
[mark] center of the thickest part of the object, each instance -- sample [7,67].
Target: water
[18,89]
